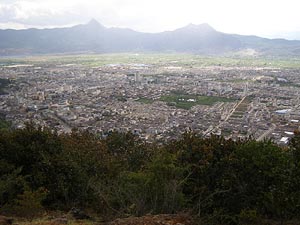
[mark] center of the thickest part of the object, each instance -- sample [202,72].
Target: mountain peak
[94,37]
[204,27]
[94,23]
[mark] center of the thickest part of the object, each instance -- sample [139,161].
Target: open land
[155,96]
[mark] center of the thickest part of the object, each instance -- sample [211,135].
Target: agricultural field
[184,60]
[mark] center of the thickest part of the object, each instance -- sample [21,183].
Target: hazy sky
[268,18]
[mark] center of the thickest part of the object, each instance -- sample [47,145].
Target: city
[156,101]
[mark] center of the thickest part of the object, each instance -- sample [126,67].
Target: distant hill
[95,38]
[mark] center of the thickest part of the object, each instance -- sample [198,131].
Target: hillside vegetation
[217,181]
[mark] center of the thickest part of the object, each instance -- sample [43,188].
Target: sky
[266,18]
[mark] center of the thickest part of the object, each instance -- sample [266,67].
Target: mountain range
[96,38]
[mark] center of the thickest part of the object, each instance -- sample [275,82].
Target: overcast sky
[267,18]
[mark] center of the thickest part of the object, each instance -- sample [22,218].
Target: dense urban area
[156,101]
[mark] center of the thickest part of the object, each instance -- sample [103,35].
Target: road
[67,127]
[267,133]
[226,119]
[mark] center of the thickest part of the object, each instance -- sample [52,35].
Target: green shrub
[157,188]
[28,204]
[248,216]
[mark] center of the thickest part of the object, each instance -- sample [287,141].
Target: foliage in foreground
[217,180]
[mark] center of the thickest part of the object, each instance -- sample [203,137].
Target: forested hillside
[216,181]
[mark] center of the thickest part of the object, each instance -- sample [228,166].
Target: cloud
[7,13]
[42,13]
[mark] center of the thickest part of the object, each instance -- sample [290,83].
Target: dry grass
[52,222]
[54,218]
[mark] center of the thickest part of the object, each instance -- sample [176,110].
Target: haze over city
[272,19]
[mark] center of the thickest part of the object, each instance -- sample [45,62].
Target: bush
[221,181]
[28,204]
[11,183]
[155,189]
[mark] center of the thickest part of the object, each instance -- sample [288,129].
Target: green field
[185,60]
[3,84]
[4,124]
[182,101]
[145,100]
